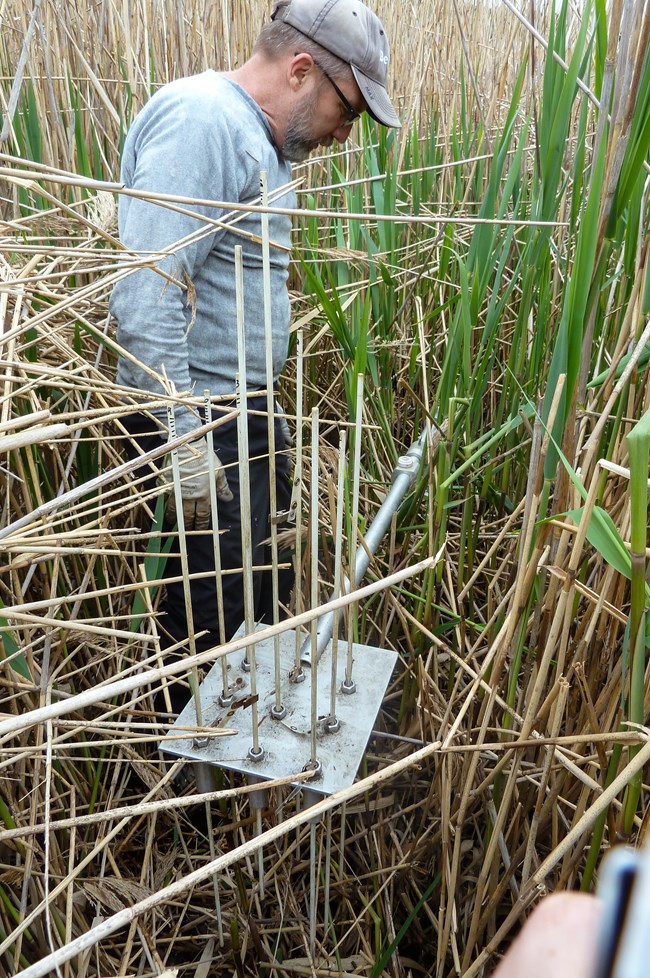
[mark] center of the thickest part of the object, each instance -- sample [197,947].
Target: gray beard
[299,140]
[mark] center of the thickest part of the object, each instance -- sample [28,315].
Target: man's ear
[299,70]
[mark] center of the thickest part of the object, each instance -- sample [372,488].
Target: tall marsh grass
[485,272]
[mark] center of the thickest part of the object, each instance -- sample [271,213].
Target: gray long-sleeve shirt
[202,137]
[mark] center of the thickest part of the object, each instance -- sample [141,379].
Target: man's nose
[341,133]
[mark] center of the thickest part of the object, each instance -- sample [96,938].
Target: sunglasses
[351,114]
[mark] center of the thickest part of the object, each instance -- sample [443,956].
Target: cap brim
[378,105]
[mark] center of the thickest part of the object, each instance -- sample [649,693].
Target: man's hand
[195,484]
[559,939]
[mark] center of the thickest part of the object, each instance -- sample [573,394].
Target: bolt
[316,767]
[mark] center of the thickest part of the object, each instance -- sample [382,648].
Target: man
[314,69]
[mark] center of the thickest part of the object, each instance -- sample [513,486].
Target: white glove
[195,484]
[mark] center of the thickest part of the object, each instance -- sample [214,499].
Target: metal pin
[244,494]
[225,698]
[348,685]
[278,712]
[313,523]
[182,544]
[258,801]
[310,798]
[298,673]
[328,870]
[313,879]
[333,724]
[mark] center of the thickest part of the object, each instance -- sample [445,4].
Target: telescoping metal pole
[403,477]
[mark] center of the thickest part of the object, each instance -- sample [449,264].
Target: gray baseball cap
[348,29]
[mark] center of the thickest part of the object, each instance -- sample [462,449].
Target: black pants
[200,547]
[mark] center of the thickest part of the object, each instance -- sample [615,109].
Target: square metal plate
[286,743]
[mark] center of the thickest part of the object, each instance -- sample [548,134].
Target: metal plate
[286,743]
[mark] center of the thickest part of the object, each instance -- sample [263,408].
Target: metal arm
[403,477]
